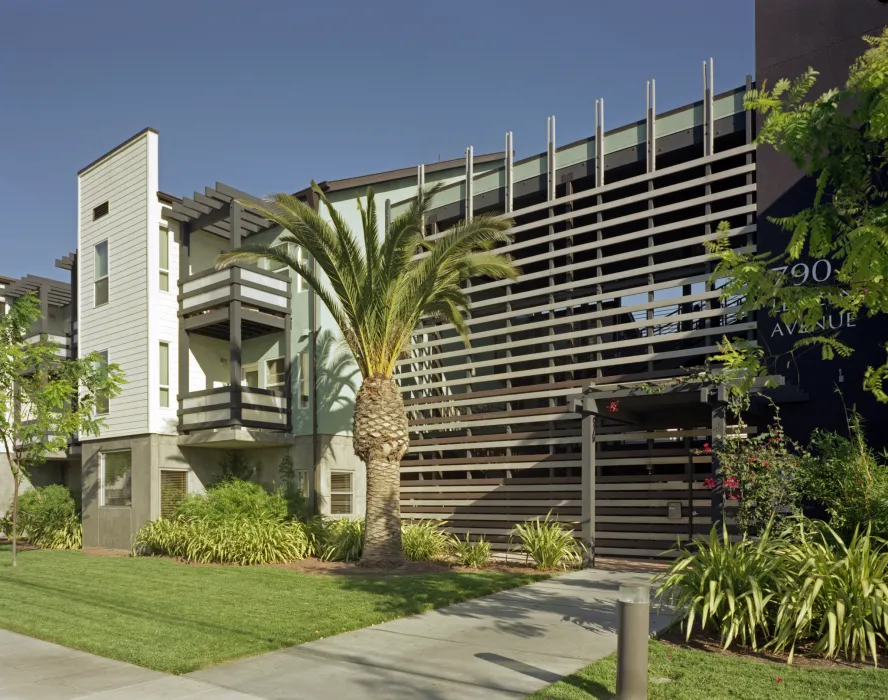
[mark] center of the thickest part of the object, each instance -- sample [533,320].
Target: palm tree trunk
[381,439]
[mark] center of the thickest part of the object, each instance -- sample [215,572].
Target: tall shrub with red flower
[762,473]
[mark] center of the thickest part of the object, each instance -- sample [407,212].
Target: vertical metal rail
[420,186]
[470,174]
[599,182]
[510,174]
[708,145]
[550,195]
[651,166]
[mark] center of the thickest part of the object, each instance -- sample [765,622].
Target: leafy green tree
[44,400]
[839,139]
[377,293]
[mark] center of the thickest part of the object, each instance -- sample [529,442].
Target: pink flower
[706,447]
[613,406]
[731,483]
[709,483]
[779,679]
[766,463]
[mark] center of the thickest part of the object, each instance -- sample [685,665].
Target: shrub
[48,518]
[340,539]
[473,554]
[233,541]
[763,473]
[231,499]
[833,593]
[725,586]
[424,540]
[847,477]
[550,543]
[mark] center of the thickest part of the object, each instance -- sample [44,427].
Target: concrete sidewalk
[501,646]
[504,645]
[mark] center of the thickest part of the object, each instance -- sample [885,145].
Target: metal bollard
[633,630]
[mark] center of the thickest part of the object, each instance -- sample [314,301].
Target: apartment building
[544,413]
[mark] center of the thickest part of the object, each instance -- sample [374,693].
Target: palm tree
[377,295]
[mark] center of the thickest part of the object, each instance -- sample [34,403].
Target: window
[164,376]
[304,376]
[302,482]
[164,260]
[173,489]
[103,401]
[100,211]
[251,376]
[274,373]
[274,265]
[100,274]
[117,478]
[341,494]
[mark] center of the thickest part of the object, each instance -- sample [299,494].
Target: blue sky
[266,95]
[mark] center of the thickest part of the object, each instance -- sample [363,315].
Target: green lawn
[697,675]
[178,618]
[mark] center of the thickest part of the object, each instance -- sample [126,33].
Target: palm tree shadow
[337,384]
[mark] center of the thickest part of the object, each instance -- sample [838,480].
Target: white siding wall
[127,179]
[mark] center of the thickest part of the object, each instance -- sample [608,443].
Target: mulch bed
[803,658]
[351,568]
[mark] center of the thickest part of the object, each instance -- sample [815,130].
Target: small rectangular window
[251,376]
[100,211]
[341,493]
[117,478]
[274,265]
[103,401]
[302,482]
[274,373]
[100,274]
[173,489]
[304,377]
[164,260]
[164,353]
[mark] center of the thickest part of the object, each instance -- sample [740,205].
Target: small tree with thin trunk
[377,294]
[44,400]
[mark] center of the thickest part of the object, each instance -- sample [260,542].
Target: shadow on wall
[337,384]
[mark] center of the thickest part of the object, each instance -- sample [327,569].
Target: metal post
[470,174]
[651,126]
[599,142]
[388,214]
[550,157]
[633,630]
[589,413]
[420,186]
[718,404]
[510,162]
[184,272]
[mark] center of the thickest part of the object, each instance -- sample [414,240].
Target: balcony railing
[256,289]
[228,406]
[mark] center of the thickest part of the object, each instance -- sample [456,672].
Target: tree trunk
[381,439]
[16,480]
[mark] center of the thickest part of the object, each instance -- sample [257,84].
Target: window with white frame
[164,374]
[116,478]
[163,263]
[274,265]
[103,401]
[274,373]
[100,274]
[341,493]
[302,482]
[304,376]
[251,376]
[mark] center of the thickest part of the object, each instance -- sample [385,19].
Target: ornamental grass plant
[548,542]
[424,540]
[48,518]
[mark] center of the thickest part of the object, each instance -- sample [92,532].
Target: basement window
[100,211]
[341,493]
[173,489]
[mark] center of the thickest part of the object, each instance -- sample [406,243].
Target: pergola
[218,211]
[666,404]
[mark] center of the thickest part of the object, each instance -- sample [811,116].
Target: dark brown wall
[826,35]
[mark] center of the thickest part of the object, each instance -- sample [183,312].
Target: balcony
[262,297]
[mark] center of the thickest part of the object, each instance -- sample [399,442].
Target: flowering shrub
[761,472]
